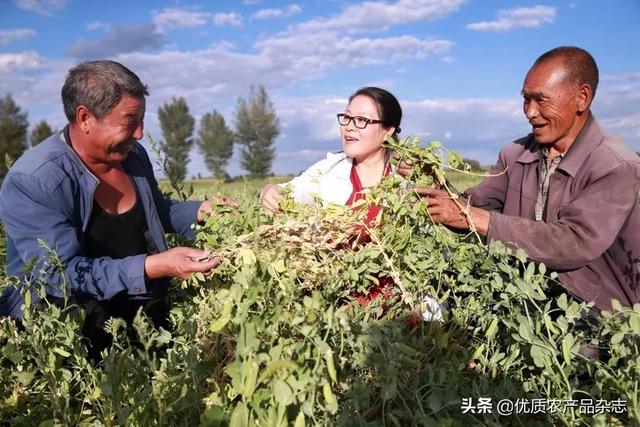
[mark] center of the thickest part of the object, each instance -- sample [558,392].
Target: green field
[289,331]
[242,189]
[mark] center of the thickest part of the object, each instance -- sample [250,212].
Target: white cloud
[35,83]
[97,25]
[381,15]
[627,77]
[523,17]
[277,13]
[42,7]
[25,60]
[232,19]
[470,123]
[615,105]
[310,55]
[297,154]
[7,36]
[179,18]
[250,2]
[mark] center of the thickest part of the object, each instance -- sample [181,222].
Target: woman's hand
[270,197]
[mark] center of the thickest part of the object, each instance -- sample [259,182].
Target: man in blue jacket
[88,193]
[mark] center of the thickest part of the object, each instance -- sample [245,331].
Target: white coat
[329,180]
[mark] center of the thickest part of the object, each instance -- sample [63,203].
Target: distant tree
[40,132]
[215,141]
[474,164]
[177,128]
[256,129]
[13,133]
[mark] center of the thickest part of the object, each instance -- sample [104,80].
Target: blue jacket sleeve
[40,222]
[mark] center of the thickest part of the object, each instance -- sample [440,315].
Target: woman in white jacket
[371,115]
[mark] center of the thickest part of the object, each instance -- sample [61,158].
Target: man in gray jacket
[566,194]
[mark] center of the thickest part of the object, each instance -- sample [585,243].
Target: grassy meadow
[244,189]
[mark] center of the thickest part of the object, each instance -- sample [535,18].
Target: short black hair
[579,63]
[388,106]
[99,86]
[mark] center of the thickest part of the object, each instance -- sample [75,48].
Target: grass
[244,188]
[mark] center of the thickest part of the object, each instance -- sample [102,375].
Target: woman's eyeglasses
[358,121]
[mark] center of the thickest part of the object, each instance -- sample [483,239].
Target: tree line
[256,127]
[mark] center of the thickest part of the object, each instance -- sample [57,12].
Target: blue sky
[456,66]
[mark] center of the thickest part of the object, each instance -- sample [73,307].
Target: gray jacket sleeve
[586,228]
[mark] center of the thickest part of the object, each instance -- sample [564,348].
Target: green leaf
[25,377]
[634,323]
[330,399]
[212,417]
[328,357]
[454,159]
[478,352]
[562,301]
[542,269]
[61,352]
[529,272]
[247,256]
[299,420]
[219,324]
[240,416]
[567,343]
[538,355]
[524,330]
[493,327]
[617,338]
[275,366]
[615,304]
[11,353]
[251,377]
[282,392]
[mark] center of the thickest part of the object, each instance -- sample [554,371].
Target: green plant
[277,336]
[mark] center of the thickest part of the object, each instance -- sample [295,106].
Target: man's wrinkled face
[113,136]
[551,103]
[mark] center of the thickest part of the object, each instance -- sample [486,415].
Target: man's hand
[404,167]
[178,262]
[443,209]
[207,207]
[270,197]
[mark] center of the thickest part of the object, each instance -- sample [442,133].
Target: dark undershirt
[115,235]
[119,236]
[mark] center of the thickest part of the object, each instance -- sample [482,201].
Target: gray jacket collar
[590,136]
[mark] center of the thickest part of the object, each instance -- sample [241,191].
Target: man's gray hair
[579,63]
[99,86]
